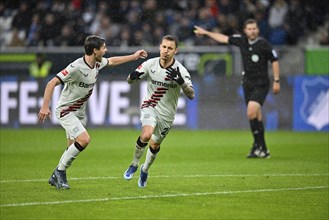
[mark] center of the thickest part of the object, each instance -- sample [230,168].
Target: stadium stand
[126,23]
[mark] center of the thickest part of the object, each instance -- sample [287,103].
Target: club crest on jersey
[315,107]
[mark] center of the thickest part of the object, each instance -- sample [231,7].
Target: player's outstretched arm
[221,38]
[114,61]
[45,111]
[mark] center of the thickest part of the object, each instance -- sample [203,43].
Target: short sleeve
[273,55]
[143,68]
[103,63]
[69,74]
[236,40]
[186,75]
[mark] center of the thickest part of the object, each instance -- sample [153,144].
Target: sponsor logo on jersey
[167,85]
[86,85]
[64,72]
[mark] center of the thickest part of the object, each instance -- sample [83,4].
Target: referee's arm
[221,38]
[276,75]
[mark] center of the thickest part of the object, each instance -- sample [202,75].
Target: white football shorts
[161,127]
[73,125]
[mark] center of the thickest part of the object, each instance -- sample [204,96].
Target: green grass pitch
[197,175]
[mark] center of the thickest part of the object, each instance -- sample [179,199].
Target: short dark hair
[249,21]
[171,38]
[92,42]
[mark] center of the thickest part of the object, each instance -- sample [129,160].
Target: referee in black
[256,53]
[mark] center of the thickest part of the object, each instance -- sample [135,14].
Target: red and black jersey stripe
[76,105]
[155,98]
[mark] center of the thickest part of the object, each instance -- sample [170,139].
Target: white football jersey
[79,80]
[162,93]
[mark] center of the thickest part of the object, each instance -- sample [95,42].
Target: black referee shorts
[255,92]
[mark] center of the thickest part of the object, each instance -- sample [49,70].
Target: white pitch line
[43,180]
[178,176]
[163,196]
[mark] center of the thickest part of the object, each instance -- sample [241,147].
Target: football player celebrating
[166,77]
[79,79]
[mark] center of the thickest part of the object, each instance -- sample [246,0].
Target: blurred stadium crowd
[127,23]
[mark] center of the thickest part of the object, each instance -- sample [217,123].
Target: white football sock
[71,153]
[60,160]
[150,157]
[139,151]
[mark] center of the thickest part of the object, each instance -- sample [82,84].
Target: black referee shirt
[255,57]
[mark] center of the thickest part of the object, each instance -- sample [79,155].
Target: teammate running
[79,79]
